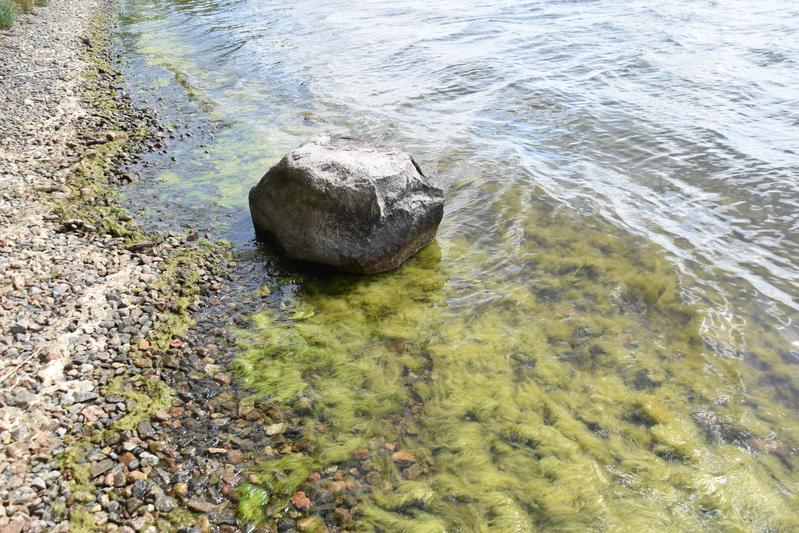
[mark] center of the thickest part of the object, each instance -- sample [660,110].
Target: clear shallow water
[620,247]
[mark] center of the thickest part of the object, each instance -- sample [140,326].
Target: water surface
[604,334]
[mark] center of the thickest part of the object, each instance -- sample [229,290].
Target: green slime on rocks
[554,379]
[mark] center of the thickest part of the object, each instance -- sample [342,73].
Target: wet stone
[200,506]
[141,488]
[132,504]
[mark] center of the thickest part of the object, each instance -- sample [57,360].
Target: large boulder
[347,204]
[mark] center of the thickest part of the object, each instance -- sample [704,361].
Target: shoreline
[127,352]
[95,310]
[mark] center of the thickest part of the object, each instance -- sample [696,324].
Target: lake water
[604,334]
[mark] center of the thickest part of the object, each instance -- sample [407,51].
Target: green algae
[252,503]
[180,280]
[547,375]
[90,198]
[95,202]
[572,392]
[153,395]
[82,521]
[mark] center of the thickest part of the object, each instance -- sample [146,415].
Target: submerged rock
[347,204]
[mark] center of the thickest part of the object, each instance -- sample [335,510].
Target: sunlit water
[603,335]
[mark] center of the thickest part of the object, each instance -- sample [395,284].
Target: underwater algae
[553,380]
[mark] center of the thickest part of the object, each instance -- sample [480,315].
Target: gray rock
[22,397]
[140,488]
[102,467]
[148,459]
[83,397]
[146,430]
[132,504]
[347,204]
[164,504]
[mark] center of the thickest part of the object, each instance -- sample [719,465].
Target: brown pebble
[235,456]
[403,456]
[230,492]
[200,506]
[412,472]
[343,515]
[338,486]
[137,475]
[286,449]
[180,489]
[312,523]
[203,524]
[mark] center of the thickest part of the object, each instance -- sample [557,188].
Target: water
[604,334]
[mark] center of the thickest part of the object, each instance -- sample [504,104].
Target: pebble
[403,456]
[300,500]
[102,467]
[276,429]
[200,506]
[148,459]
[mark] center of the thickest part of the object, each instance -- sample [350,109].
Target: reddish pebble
[316,476]
[300,500]
[362,454]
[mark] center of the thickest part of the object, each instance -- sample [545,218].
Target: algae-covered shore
[94,310]
[545,372]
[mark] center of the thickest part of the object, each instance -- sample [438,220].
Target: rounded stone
[347,204]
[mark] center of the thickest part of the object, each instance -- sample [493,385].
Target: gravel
[52,284]
[77,311]
[76,305]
